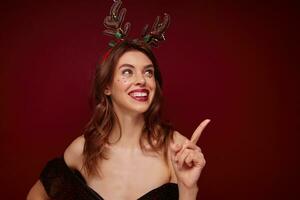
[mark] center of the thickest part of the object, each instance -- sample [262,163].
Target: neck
[131,127]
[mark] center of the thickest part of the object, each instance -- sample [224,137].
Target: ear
[107,91]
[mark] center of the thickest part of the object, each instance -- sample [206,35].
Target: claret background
[231,61]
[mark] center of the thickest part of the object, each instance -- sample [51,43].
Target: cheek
[152,84]
[124,82]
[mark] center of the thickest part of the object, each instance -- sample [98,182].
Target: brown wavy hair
[96,133]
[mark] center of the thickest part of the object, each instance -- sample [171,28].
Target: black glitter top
[61,182]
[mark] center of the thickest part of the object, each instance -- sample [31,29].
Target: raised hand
[187,159]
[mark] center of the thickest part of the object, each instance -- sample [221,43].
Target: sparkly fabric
[61,182]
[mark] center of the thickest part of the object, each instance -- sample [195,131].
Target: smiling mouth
[140,96]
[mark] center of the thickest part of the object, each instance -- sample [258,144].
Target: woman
[126,151]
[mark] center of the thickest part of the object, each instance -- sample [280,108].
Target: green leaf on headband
[118,35]
[112,43]
[147,38]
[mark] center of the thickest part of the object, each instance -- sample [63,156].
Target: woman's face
[133,86]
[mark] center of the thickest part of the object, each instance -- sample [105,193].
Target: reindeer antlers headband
[113,24]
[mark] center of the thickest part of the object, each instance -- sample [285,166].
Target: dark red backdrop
[232,62]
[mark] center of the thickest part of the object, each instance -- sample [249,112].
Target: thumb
[175,148]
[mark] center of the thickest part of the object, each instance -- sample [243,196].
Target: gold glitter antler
[157,32]
[113,22]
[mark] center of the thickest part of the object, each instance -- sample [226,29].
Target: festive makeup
[133,84]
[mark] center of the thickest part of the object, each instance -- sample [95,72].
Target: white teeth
[139,94]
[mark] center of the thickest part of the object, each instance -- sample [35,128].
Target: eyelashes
[149,73]
[129,73]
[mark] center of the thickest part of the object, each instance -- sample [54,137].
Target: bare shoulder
[73,158]
[73,154]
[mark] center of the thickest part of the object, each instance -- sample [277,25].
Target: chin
[141,109]
[133,106]
[140,106]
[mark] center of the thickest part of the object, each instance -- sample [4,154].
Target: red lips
[139,94]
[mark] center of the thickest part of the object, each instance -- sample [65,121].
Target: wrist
[187,192]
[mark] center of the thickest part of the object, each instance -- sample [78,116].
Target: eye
[149,73]
[127,72]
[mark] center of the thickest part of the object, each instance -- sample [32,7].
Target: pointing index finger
[197,133]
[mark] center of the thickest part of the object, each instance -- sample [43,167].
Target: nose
[140,80]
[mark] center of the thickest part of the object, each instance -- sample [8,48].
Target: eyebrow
[131,66]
